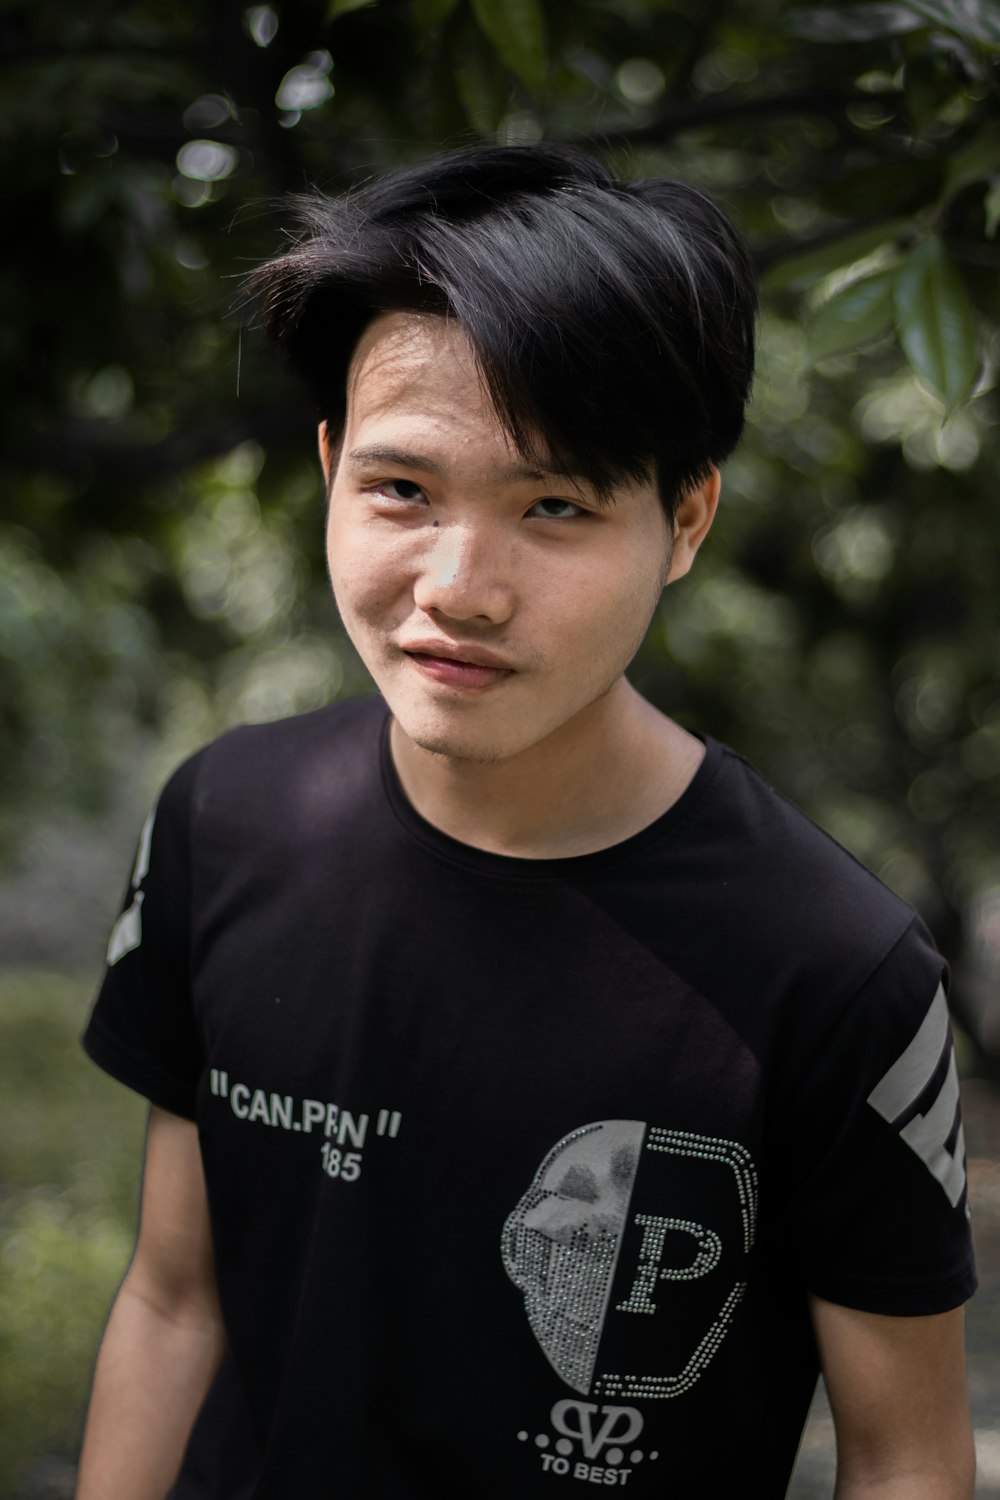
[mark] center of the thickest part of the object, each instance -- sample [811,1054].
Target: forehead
[414,384]
[414,362]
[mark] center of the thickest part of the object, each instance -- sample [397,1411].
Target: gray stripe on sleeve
[927,1134]
[912,1072]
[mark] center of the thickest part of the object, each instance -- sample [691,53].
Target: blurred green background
[161,572]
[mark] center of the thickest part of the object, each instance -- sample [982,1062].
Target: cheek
[614,604]
[362,571]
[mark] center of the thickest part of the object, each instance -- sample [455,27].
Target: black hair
[614,321]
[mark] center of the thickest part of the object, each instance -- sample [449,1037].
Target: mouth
[457,666]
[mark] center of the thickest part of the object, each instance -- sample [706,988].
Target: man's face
[493,604]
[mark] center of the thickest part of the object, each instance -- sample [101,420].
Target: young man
[537,1097]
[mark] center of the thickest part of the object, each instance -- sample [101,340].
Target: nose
[465,575]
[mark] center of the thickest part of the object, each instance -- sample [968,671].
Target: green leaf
[977,159]
[799,272]
[430,13]
[517,30]
[852,23]
[928,85]
[991,203]
[936,321]
[860,312]
[882,187]
[974,20]
[337,8]
[480,81]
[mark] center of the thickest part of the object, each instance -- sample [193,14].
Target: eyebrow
[381,453]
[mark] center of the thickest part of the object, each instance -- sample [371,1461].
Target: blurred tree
[160,542]
[160,553]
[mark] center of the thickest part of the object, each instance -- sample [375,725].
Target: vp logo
[575,1419]
[588,1432]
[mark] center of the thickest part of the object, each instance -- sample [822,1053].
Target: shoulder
[789,889]
[291,748]
[279,776]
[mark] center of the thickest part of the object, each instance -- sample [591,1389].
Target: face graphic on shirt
[561,1243]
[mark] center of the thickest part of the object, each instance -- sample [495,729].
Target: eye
[552,509]
[579,1184]
[399,489]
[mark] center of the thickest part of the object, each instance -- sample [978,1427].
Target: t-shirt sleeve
[875,1211]
[142,1029]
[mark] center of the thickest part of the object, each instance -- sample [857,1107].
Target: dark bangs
[613,325]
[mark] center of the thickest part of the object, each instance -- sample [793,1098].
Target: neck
[603,777]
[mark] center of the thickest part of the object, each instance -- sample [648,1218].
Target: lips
[457,666]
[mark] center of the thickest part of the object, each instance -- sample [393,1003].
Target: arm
[898,1394]
[164,1338]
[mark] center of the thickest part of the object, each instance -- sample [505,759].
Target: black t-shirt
[520,1170]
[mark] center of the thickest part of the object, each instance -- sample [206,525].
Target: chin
[457,736]
[487,734]
[496,727]
[456,746]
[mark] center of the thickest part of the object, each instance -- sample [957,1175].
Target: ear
[329,452]
[692,523]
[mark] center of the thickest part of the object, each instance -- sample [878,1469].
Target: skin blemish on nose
[435,523]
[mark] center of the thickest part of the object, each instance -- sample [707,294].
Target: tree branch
[790,246]
[672,122]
